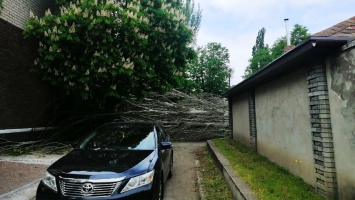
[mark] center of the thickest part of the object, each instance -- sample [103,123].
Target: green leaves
[298,34]
[262,55]
[210,71]
[261,58]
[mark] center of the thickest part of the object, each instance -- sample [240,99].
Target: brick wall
[252,120]
[322,136]
[24,100]
[17,12]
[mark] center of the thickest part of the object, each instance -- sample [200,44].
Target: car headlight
[49,181]
[139,181]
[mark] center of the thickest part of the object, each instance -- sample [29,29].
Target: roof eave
[290,61]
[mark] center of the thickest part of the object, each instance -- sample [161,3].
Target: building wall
[283,124]
[25,102]
[341,86]
[308,116]
[240,114]
[17,12]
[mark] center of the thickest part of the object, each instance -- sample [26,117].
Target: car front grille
[88,187]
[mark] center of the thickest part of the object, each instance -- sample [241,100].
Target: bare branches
[41,146]
[185,117]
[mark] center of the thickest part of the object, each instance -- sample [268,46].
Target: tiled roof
[345,28]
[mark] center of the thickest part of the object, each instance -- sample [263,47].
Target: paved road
[183,184]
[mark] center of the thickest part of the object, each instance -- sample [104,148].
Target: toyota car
[116,161]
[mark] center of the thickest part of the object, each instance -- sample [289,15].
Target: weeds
[213,183]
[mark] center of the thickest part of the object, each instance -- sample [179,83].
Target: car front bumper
[141,193]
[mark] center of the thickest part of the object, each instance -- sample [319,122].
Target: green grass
[268,180]
[212,181]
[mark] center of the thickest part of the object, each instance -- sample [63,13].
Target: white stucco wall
[240,109]
[341,86]
[283,124]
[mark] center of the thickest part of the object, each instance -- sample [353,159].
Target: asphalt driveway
[183,185]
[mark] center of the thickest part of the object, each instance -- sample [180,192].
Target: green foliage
[104,49]
[298,34]
[193,16]
[213,183]
[18,151]
[261,58]
[210,70]
[1,5]
[259,43]
[278,47]
[262,55]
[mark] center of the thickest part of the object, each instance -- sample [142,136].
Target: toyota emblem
[87,188]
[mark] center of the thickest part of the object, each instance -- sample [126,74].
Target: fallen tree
[187,118]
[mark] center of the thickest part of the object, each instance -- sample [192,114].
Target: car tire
[171,164]
[161,189]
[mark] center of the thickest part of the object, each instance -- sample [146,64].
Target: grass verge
[212,181]
[268,180]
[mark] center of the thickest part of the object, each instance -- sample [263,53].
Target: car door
[165,153]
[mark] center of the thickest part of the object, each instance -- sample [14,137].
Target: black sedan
[116,161]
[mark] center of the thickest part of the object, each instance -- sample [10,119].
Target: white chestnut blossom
[48,12]
[72,28]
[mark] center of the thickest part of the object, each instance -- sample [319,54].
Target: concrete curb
[25,192]
[199,180]
[29,160]
[240,190]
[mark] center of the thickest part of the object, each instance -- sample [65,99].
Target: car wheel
[161,190]
[171,164]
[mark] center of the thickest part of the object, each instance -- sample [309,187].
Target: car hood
[99,163]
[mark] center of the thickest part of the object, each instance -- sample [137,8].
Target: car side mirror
[166,145]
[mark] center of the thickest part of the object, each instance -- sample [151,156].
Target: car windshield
[120,137]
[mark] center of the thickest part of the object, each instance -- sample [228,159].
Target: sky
[235,23]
